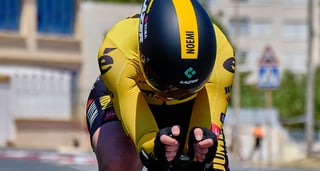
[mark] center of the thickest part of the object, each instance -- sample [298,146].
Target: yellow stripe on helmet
[188,29]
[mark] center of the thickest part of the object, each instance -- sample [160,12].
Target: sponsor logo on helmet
[230,64]
[188,81]
[190,72]
[190,45]
[143,25]
[188,28]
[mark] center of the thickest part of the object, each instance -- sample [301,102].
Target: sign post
[268,80]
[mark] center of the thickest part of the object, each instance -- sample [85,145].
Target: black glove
[206,135]
[149,161]
[159,148]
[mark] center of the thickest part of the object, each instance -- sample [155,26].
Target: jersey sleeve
[212,101]
[118,70]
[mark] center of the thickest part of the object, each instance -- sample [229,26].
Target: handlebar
[183,163]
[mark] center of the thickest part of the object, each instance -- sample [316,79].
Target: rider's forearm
[146,143]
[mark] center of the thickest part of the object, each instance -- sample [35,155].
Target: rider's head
[177,46]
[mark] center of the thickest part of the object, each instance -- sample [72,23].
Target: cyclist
[166,77]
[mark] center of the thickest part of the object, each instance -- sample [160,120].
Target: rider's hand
[202,144]
[166,145]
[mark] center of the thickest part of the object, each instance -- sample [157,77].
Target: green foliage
[251,96]
[289,98]
[317,94]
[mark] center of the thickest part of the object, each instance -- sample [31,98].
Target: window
[10,15]
[241,1]
[241,57]
[295,62]
[297,3]
[56,16]
[261,28]
[243,25]
[261,2]
[295,30]
[212,2]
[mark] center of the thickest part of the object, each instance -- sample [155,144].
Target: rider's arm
[212,101]
[118,69]
[220,82]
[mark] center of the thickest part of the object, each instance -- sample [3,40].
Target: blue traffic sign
[268,77]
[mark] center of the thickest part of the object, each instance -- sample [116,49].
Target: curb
[48,156]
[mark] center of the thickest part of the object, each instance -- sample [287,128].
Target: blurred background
[48,63]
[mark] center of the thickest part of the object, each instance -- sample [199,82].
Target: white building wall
[7,126]
[282,24]
[39,93]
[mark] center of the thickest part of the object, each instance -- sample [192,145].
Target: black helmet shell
[177,44]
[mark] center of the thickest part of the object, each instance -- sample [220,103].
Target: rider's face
[174,94]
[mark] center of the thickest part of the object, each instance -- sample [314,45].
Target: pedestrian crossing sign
[268,77]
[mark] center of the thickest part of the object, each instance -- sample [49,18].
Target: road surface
[21,160]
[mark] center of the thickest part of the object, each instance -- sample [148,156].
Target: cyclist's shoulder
[221,35]
[123,36]
[127,24]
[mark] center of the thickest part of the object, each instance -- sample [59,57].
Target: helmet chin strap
[169,98]
[164,98]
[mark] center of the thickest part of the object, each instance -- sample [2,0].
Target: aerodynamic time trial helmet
[177,46]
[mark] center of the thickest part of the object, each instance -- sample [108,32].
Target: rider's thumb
[198,134]
[175,130]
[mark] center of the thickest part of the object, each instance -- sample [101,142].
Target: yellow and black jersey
[131,97]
